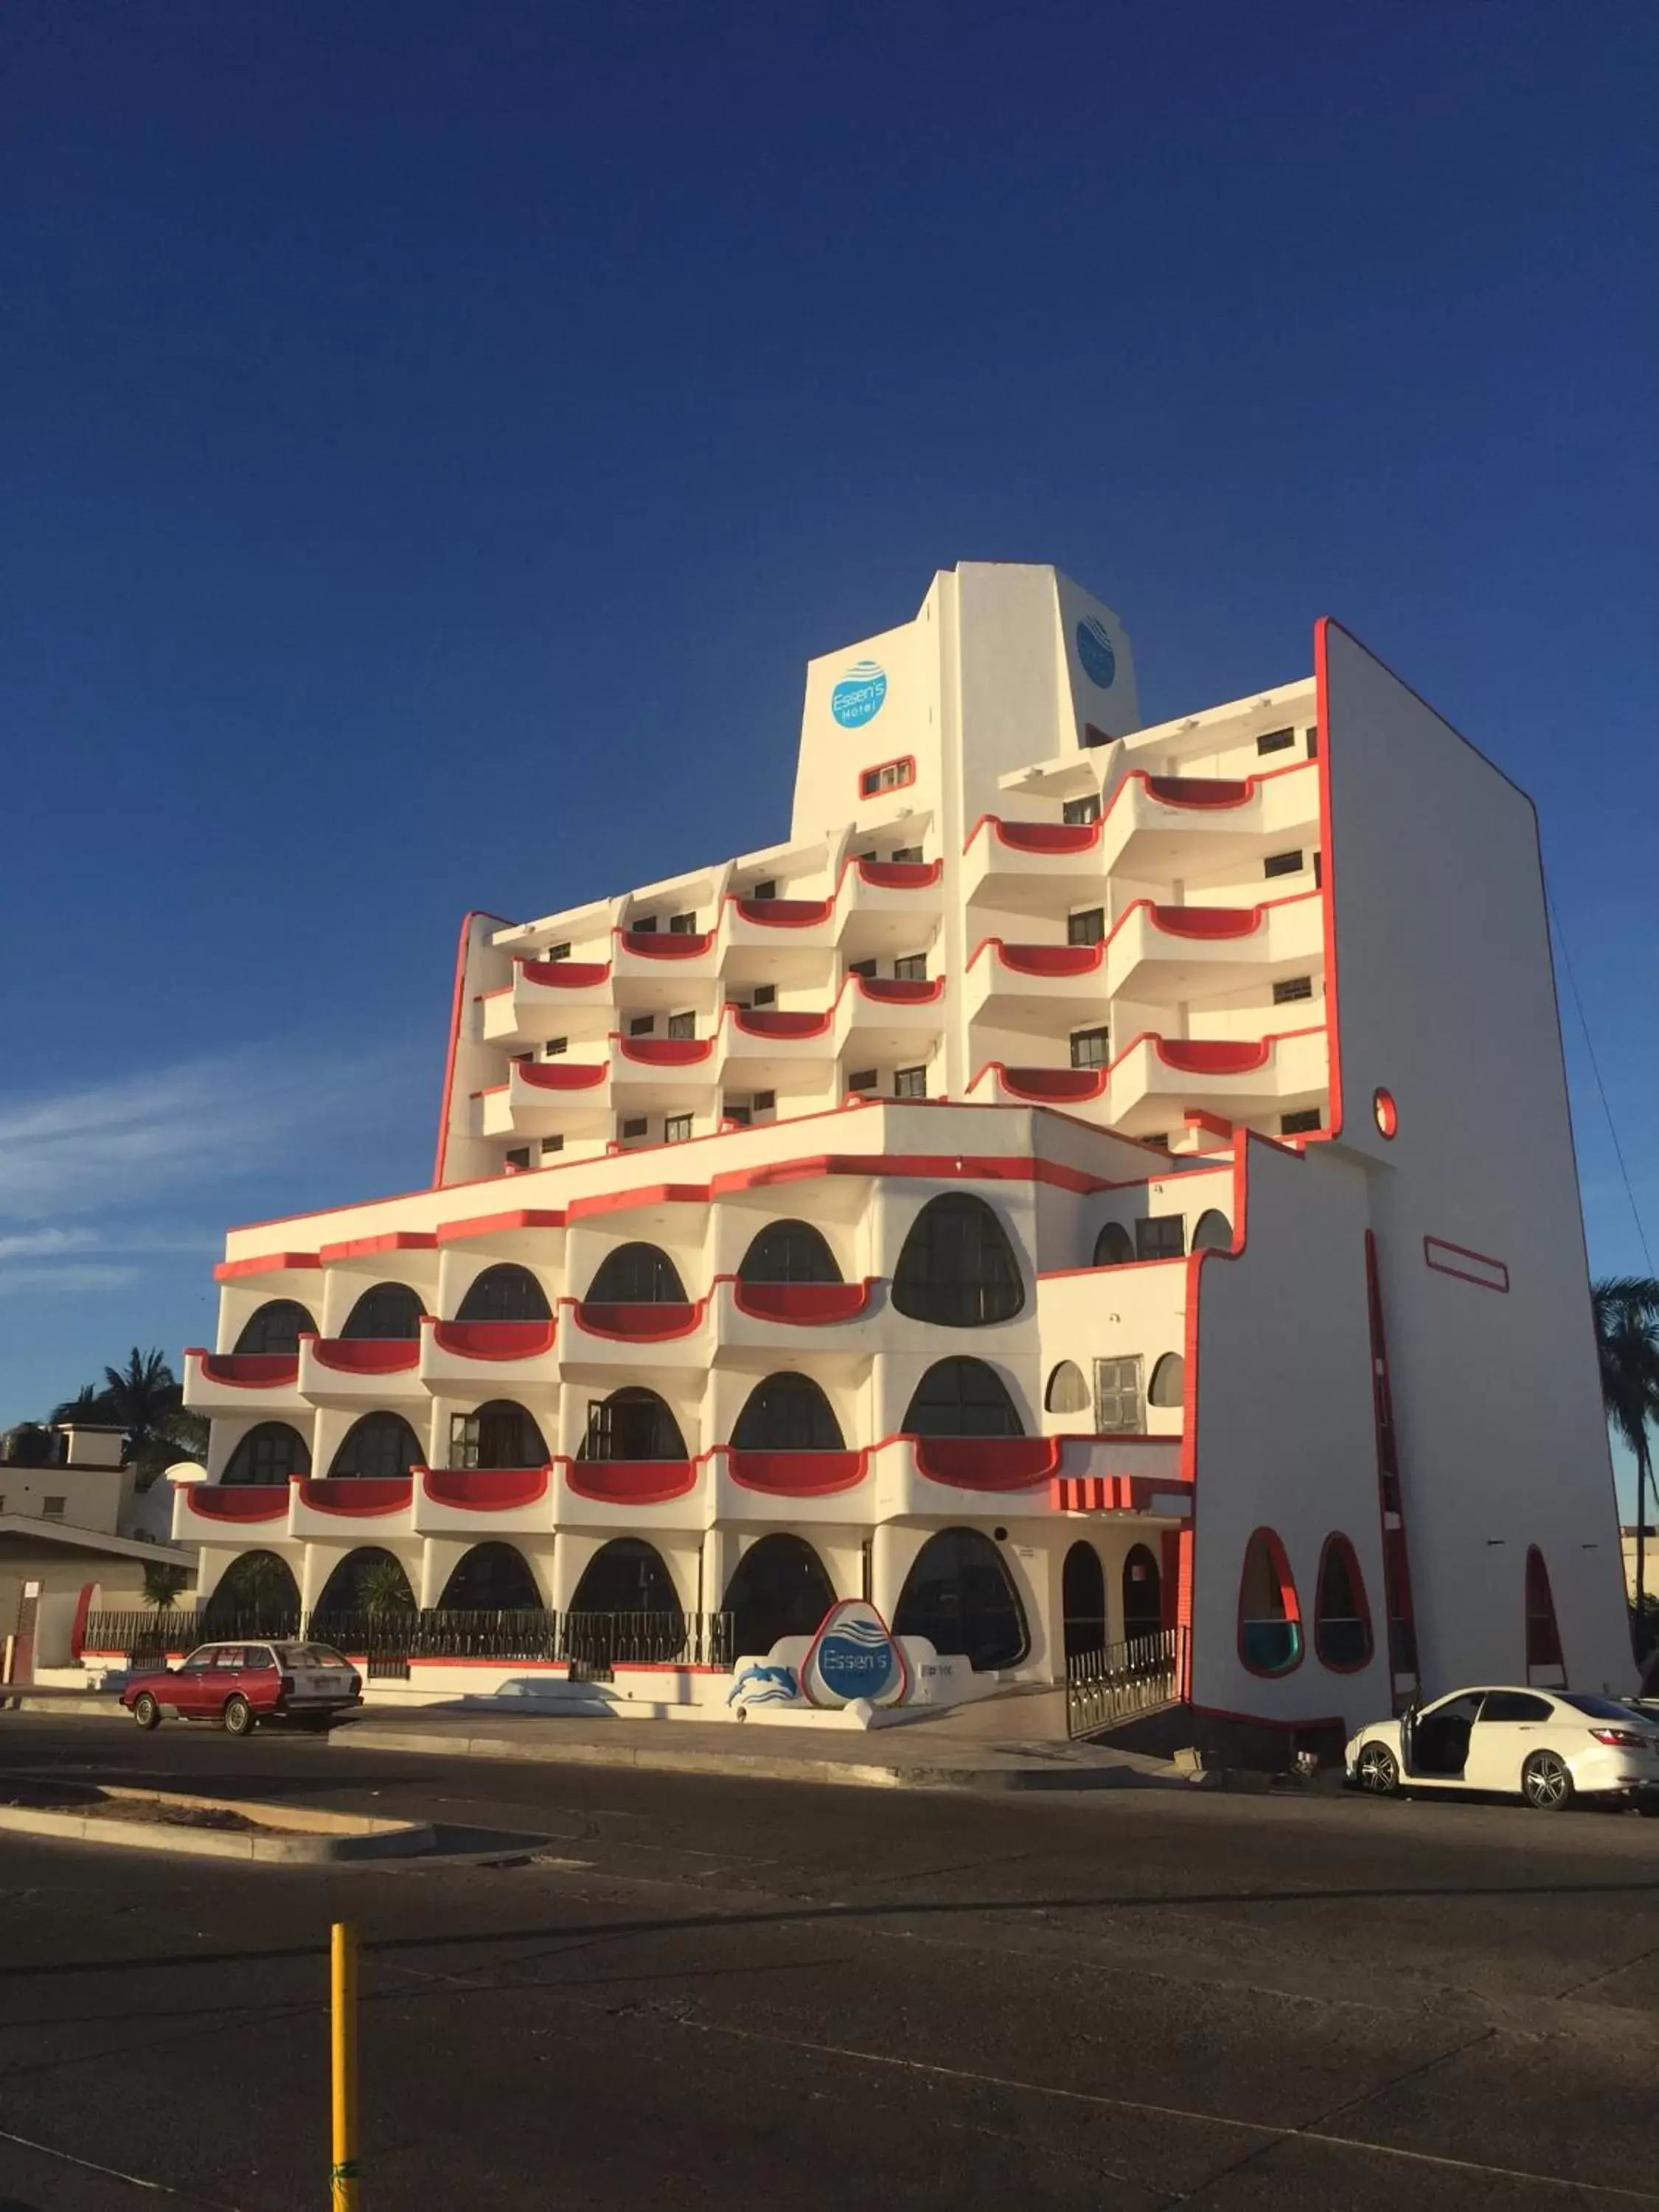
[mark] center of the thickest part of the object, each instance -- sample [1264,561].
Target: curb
[405,1840]
[752,1766]
[63,1701]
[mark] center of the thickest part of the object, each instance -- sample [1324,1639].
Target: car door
[224,1678]
[187,1689]
[260,1679]
[1441,1737]
[1510,1727]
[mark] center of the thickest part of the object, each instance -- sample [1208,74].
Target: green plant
[383,1588]
[163,1585]
[1627,1310]
[28,1444]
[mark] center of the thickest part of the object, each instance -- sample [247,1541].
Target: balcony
[263,1383]
[482,1502]
[937,1478]
[617,1494]
[1043,988]
[888,906]
[348,1505]
[1032,867]
[1156,1080]
[783,940]
[616,1344]
[826,1328]
[771,1048]
[541,1098]
[1170,955]
[1164,827]
[659,968]
[830,1486]
[490,1358]
[662,1075]
[881,1020]
[1069,1089]
[213,1512]
[361,1371]
[547,999]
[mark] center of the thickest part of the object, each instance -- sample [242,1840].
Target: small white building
[1091,1185]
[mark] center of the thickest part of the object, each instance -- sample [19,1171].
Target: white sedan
[1547,1746]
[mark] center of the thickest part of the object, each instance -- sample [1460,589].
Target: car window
[311,1655]
[256,1655]
[1459,1708]
[1595,1707]
[207,1656]
[228,1654]
[1514,1706]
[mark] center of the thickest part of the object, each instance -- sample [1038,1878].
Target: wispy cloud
[72,1275]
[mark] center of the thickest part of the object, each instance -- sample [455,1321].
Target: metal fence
[1120,1680]
[592,1644]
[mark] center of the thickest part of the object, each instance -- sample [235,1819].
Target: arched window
[780,1588]
[1543,1635]
[1113,1246]
[626,1576]
[1212,1232]
[258,1594]
[389,1310]
[504,1293]
[370,1580]
[273,1453]
[957,1267]
[1143,1592]
[789,1252]
[631,1423]
[787,1412]
[1269,1617]
[1342,1618]
[961,1398]
[491,1578]
[960,1595]
[500,1434]
[277,1326]
[637,1275]
[1068,1389]
[1169,1383]
[1082,1600]
[379,1447]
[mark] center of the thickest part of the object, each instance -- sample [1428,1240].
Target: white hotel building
[1090,1184]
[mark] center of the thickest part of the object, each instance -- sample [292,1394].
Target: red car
[240,1684]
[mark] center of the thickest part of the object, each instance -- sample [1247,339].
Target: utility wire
[1596,1070]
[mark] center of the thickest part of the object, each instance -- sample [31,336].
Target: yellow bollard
[343,2175]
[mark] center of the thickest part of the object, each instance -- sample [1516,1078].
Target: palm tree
[1626,1309]
[143,1396]
[163,1584]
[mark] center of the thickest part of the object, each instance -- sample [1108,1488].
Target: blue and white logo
[764,1686]
[857,698]
[855,1656]
[1094,650]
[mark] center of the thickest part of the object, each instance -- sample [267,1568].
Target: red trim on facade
[663,1052]
[637,1323]
[1113,1493]
[484,1489]
[247,1370]
[897,875]
[374,1247]
[559,1074]
[1050,1087]
[869,788]
[666,944]
[1212,1055]
[78,1626]
[500,1224]
[457,1001]
[631,1481]
[218,1501]
[1206,921]
[561,975]
[1497,1277]
[365,1355]
[1280,1561]
[796,1475]
[898,991]
[785,914]
[1051,960]
[494,1339]
[802,1305]
[358,1497]
[268,1263]
[987,1462]
[628,1201]
[771,1022]
[1201,790]
[1327,872]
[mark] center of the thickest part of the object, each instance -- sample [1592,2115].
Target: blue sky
[406,405]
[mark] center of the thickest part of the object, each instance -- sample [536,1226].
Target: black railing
[1120,1680]
[592,1642]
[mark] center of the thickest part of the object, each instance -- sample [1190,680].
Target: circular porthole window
[1385,1112]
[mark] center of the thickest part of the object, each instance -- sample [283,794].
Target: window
[1168,1385]
[1112,1246]
[389,1311]
[861,968]
[788,1252]
[866,1079]
[378,1449]
[676,1129]
[1088,1048]
[1319,870]
[1275,741]
[905,853]
[1214,1232]
[631,1423]
[764,1102]
[780,1588]
[764,994]
[499,1434]
[766,891]
[1160,1236]
[550,1145]
[1543,1636]
[787,1412]
[1305,1118]
[1143,1593]
[731,1111]
[1311,738]
[556,1047]
[1078,811]
[960,1595]
[1517,1705]
[1118,1408]
[1086,927]
[642,1024]
[910,1083]
[491,1578]
[51,1509]
[277,1326]
[645,926]
[683,924]
[627,1575]
[1292,988]
[1068,1389]
[504,1293]
[682,1025]
[557,951]
[1342,1618]
[1283,864]
[637,1275]
[956,1267]
[891,776]
[912,968]
[1269,1618]
[635,1125]
[517,1156]
[961,1398]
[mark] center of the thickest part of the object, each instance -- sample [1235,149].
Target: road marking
[114,2172]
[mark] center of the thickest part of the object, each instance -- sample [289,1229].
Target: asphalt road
[627,1989]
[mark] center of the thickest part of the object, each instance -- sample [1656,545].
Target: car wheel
[1648,1806]
[239,1716]
[1546,1783]
[1378,1769]
[146,1711]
